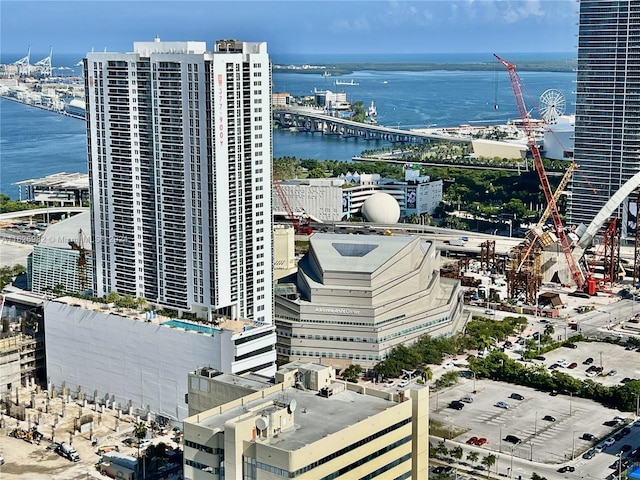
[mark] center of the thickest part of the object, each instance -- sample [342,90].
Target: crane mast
[576,274]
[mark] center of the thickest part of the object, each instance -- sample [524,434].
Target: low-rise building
[309,425]
[141,360]
[356,297]
[341,198]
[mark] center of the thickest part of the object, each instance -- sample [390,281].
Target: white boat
[372,113]
[293,129]
[326,74]
[385,82]
[351,83]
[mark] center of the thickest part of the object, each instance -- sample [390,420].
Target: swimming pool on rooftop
[193,327]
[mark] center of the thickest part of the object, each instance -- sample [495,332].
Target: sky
[294,26]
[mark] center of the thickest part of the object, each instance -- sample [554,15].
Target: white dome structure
[381,208]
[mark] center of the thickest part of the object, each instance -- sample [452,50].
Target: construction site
[587,258]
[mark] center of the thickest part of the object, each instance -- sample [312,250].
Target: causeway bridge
[316,121]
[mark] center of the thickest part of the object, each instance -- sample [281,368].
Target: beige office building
[356,297]
[310,426]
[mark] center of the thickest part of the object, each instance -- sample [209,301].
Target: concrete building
[141,360]
[558,138]
[607,126]
[356,297]
[62,258]
[56,190]
[179,147]
[284,431]
[336,199]
[210,388]
[22,346]
[284,251]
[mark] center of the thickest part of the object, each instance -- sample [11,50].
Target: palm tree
[140,432]
[488,461]
[456,452]
[549,330]
[473,456]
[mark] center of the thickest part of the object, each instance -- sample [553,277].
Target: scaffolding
[524,274]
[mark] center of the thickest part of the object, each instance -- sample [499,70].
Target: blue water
[191,326]
[35,143]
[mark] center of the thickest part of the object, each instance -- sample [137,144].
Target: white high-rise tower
[179,146]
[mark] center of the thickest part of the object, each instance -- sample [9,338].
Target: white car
[591,374]
[504,405]
[403,383]
[389,384]
[608,442]
[488,311]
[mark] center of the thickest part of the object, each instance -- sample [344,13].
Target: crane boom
[576,274]
[537,230]
[298,227]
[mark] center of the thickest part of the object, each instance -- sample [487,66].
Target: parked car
[573,365]
[389,384]
[477,441]
[442,469]
[626,448]
[129,441]
[608,442]
[625,431]
[512,439]
[612,373]
[488,311]
[591,374]
[504,405]
[516,396]
[570,345]
[618,436]
[403,383]
[539,357]
[626,380]
[588,361]
[589,454]
[567,468]
[588,436]
[456,405]
[467,399]
[549,418]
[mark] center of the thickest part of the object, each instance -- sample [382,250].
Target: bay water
[35,143]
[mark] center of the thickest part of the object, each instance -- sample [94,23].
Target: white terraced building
[356,297]
[179,142]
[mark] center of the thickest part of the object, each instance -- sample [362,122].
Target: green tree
[352,373]
[140,432]
[113,297]
[316,173]
[8,274]
[456,452]
[473,457]
[535,476]
[488,461]
[441,450]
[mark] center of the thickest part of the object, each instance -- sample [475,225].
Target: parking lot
[610,357]
[542,441]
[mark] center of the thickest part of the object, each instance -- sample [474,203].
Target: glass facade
[607,128]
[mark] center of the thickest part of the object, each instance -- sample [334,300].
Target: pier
[313,121]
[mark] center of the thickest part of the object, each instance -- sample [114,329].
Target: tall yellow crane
[82,260]
[537,230]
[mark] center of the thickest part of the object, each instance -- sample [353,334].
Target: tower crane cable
[576,274]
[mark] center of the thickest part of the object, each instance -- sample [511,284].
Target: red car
[477,441]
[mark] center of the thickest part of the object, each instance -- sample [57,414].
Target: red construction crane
[300,227]
[576,274]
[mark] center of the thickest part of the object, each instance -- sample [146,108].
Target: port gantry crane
[576,273]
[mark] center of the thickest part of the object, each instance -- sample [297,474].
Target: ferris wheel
[552,105]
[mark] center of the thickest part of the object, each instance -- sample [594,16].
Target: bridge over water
[310,120]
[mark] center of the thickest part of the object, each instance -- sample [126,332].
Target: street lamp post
[535,425]
[570,402]
[511,467]
[619,455]
[573,445]
[500,440]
